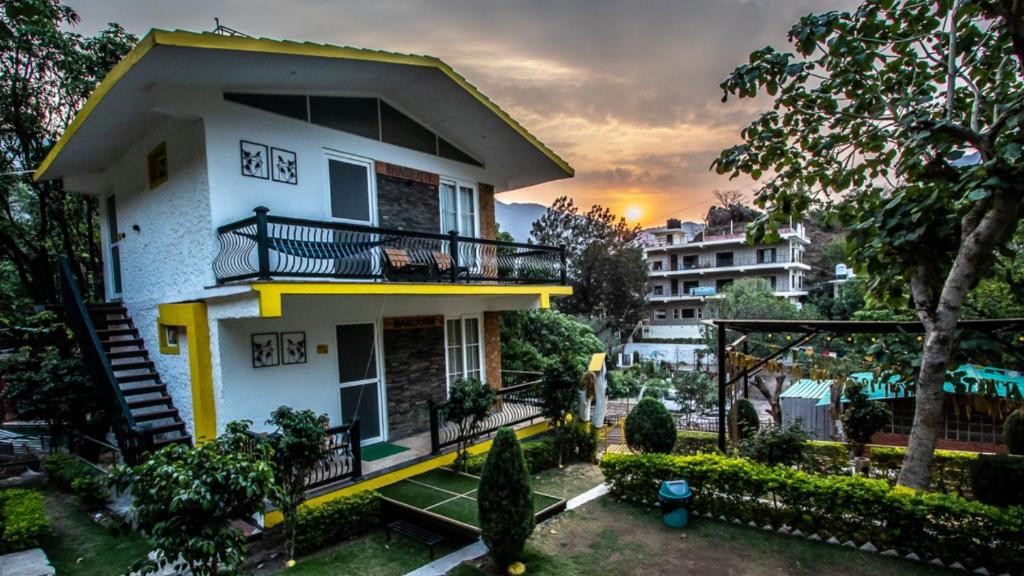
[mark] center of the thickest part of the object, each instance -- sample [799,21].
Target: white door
[362,393]
[113,250]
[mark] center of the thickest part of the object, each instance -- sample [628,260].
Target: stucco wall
[171,252]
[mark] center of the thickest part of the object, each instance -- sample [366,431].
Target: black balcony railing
[264,247]
[514,405]
[735,261]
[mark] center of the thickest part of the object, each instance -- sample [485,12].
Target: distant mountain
[518,219]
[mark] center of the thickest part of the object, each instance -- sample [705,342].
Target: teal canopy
[970,379]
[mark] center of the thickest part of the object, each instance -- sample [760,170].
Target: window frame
[371,181]
[461,319]
[458,184]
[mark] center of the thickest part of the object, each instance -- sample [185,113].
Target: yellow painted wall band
[192,317]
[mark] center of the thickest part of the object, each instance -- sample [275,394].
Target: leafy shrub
[847,507]
[580,443]
[825,458]
[650,427]
[342,518]
[505,500]
[689,443]
[862,417]
[469,403]
[951,469]
[542,454]
[1013,431]
[23,519]
[71,474]
[776,445]
[747,421]
[998,479]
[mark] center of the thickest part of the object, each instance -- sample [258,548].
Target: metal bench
[425,537]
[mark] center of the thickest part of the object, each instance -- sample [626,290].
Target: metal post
[453,247]
[357,450]
[746,375]
[564,272]
[721,387]
[435,432]
[262,245]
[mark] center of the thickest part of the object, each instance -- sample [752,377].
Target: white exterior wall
[234,196]
[244,392]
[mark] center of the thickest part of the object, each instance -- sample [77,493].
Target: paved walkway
[477,549]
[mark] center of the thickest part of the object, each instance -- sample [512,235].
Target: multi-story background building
[691,264]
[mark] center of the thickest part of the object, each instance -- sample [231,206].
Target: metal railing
[345,460]
[133,440]
[514,405]
[263,247]
[709,263]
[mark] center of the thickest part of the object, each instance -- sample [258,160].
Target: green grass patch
[371,555]
[462,509]
[82,547]
[412,494]
[448,480]
[542,501]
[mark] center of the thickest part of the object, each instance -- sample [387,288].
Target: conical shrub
[650,428]
[505,500]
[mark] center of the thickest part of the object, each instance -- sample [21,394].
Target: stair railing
[133,440]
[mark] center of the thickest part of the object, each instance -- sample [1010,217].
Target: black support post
[564,272]
[355,439]
[453,247]
[262,245]
[722,379]
[746,374]
[435,430]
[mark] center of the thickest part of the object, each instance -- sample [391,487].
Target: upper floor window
[766,256]
[771,280]
[659,290]
[689,286]
[656,265]
[458,207]
[367,117]
[351,189]
[722,284]
[723,259]
[689,262]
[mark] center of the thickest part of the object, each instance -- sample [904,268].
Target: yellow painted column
[191,316]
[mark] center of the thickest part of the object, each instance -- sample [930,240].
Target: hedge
[951,470]
[846,507]
[23,519]
[819,457]
[337,520]
[543,454]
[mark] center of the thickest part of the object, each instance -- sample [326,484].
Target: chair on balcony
[443,264]
[401,265]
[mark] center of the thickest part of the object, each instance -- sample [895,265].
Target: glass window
[464,347]
[291,105]
[398,129]
[350,190]
[458,208]
[354,115]
[357,353]
[723,259]
[659,314]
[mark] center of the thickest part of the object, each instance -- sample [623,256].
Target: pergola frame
[811,328]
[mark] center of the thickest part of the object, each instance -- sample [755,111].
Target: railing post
[357,450]
[561,253]
[435,430]
[262,245]
[453,247]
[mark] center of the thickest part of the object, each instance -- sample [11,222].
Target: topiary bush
[1013,431]
[747,421]
[340,519]
[998,479]
[776,445]
[650,427]
[862,417]
[22,520]
[505,500]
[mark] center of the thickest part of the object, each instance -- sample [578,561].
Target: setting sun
[633,213]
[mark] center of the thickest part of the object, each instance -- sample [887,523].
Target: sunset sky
[627,92]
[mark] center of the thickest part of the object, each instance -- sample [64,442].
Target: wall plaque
[406,173]
[413,322]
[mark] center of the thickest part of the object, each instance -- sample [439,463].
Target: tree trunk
[773,396]
[982,228]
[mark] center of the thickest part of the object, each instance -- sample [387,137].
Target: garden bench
[425,537]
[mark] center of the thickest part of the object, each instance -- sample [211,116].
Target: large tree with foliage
[530,339]
[606,263]
[46,74]
[186,498]
[904,120]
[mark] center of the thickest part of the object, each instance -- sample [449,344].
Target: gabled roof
[423,85]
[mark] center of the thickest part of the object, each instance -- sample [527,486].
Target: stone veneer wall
[408,205]
[414,369]
[488,226]
[492,348]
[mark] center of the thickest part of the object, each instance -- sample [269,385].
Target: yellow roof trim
[270,293]
[157,37]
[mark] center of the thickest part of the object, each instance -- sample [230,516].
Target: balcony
[265,247]
[740,263]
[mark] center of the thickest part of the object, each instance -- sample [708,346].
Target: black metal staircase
[143,416]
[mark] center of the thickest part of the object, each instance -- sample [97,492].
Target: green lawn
[609,537]
[371,555]
[81,547]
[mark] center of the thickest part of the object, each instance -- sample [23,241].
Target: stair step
[125,366]
[136,390]
[105,305]
[106,333]
[140,353]
[108,344]
[128,378]
[164,428]
[156,415]
[97,322]
[149,402]
[161,442]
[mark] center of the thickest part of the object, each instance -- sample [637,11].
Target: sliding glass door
[359,378]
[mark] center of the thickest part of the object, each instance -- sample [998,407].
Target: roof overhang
[123,106]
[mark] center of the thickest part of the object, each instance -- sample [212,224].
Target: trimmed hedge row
[819,457]
[23,522]
[543,454]
[847,507]
[951,470]
[337,520]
